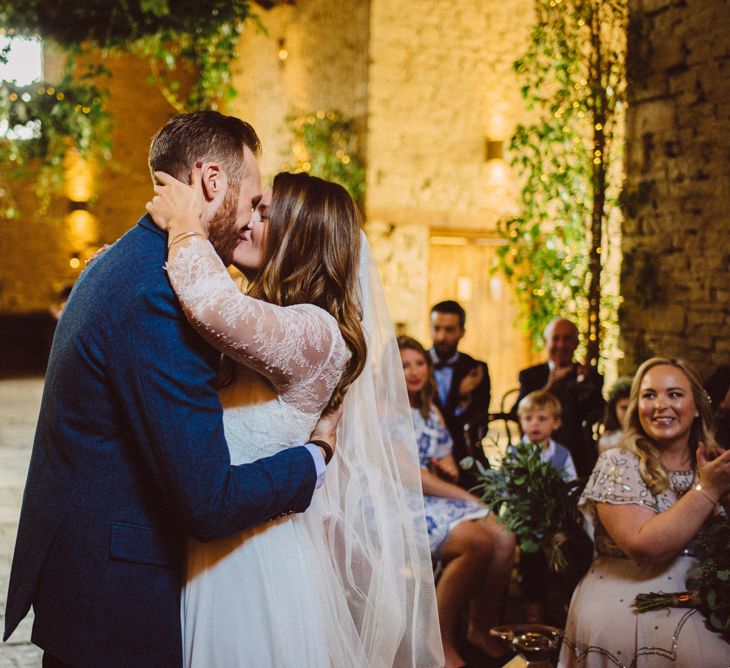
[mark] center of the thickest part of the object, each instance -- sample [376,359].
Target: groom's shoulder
[139,254]
[132,268]
[142,248]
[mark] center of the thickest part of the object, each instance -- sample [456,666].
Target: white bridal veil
[376,528]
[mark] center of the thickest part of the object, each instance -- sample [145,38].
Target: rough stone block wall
[440,82]
[676,240]
[325,69]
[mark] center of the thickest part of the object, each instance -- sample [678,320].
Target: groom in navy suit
[129,455]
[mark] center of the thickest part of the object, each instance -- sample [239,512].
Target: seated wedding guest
[540,417]
[646,504]
[476,550]
[717,386]
[539,413]
[463,382]
[577,387]
[613,420]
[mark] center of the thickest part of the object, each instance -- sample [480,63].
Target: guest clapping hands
[648,501]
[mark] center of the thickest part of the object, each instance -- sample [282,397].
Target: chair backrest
[508,399]
[502,424]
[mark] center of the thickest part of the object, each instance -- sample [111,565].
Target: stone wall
[676,241]
[428,82]
[440,82]
[326,68]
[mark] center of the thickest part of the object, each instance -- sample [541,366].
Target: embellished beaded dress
[442,514]
[602,629]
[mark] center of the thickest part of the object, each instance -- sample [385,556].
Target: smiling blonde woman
[646,504]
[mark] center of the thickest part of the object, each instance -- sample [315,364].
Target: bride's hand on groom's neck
[177,207]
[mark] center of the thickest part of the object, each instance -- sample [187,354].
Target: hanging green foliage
[325,144]
[573,80]
[44,121]
[199,36]
[190,47]
[117,24]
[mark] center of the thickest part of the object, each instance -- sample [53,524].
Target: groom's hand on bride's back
[326,429]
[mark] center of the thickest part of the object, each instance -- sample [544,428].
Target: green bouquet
[708,583]
[538,506]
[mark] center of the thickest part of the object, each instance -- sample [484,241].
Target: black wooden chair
[502,422]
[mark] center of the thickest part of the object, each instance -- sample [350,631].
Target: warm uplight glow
[496,288]
[82,230]
[496,128]
[497,172]
[464,289]
[282,52]
[79,185]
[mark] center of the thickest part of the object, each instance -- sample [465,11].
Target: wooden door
[460,268]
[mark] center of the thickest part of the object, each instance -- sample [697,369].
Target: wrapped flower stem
[539,507]
[660,600]
[707,582]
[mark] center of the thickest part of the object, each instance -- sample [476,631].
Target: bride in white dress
[348,582]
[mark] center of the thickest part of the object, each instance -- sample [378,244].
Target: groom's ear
[213,180]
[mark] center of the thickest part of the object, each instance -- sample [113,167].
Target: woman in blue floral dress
[476,550]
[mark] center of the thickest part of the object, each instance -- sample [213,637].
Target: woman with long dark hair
[348,582]
[476,550]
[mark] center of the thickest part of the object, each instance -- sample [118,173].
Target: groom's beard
[222,229]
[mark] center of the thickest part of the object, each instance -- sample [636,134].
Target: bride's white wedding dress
[295,591]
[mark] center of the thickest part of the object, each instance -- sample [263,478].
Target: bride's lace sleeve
[298,348]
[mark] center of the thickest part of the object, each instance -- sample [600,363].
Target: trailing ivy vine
[573,79]
[51,119]
[190,46]
[325,144]
[186,34]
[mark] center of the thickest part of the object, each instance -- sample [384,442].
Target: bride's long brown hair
[311,255]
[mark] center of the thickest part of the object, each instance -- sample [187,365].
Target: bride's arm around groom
[129,458]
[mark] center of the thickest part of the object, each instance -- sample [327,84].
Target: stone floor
[19,403]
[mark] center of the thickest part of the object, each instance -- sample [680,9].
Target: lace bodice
[298,349]
[257,421]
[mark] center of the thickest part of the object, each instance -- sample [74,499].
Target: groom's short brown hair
[202,136]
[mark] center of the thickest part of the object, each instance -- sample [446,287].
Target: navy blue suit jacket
[477,407]
[129,457]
